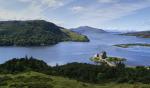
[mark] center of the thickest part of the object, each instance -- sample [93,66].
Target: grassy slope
[76,36]
[38,80]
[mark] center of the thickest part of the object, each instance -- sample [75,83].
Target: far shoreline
[132,45]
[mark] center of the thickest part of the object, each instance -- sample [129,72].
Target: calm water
[81,52]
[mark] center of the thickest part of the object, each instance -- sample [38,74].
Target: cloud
[77,9]
[24,0]
[107,1]
[32,11]
[49,3]
[71,12]
[35,9]
[53,3]
[100,15]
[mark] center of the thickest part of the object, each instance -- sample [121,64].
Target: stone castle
[102,55]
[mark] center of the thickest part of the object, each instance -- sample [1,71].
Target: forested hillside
[80,71]
[33,33]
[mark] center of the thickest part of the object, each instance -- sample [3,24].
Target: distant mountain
[87,29]
[35,33]
[143,34]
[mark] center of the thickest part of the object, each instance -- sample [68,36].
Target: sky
[120,15]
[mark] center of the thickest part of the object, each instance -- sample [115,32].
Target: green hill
[39,80]
[33,73]
[34,33]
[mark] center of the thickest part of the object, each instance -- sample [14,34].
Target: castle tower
[103,55]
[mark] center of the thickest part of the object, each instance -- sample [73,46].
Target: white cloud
[24,0]
[78,13]
[107,1]
[97,15]
[53,3]
[77,9]
[32,11]
[35,9]
[49,3]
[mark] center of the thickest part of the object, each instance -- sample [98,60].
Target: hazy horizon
[118,15]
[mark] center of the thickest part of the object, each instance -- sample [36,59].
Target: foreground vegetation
[35,33]
[130,45]
[39,80]
[29,72]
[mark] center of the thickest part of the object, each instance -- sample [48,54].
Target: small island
[131,45]
[102,58]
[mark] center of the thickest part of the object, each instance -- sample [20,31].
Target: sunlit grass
[39,80]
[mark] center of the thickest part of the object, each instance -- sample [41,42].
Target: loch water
[66,52]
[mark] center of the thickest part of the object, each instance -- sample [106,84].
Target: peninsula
[35,33]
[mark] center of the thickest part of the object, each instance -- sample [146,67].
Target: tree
[116,60]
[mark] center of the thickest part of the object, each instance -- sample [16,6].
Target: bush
[122,80]
[17,65]
[131,81]
[3,80]
[30,85]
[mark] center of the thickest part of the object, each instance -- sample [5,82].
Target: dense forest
[80,71]
[35,33]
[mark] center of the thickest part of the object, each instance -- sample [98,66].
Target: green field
[39,80]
